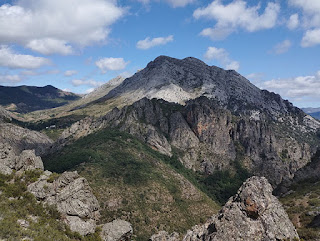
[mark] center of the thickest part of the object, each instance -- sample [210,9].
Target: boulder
[117,230]
[28,160]
[72,196]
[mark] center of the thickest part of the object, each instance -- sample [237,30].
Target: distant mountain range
[314,112]
[25,99]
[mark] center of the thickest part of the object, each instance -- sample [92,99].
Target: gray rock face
[117,230]
[252,214]
[164,236]
[28,160]
[23,139]
[210,137]
[72,196]
[9,161]
[4,114]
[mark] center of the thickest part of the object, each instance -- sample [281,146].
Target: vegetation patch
[136,183]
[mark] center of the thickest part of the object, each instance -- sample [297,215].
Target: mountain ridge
[25,98]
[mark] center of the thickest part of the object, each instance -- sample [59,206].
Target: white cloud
[50,26]
[10,79]
[12,60]
[222,56]
[50,46]
[293,21]
[311,38]
[310,21]
[70,72]
[149,43]
[106,64]
[255,77]
[236,15]
[93,83]
[297,88]
[282,47]
[311,12]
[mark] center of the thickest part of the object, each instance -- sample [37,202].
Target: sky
[78,45]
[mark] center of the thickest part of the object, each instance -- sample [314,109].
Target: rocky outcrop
[73,198]
[310,172]
[164,236]
[5,115]
[252,214]
[24,139]
[117,230]
[9,161]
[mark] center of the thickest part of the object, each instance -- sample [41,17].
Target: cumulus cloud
[51,27]
[293,21]
[9,79]
[91,82]
[49,46]
[311,12]
[311,38]
[282,47]
[310,21]
[235,15]
[70,73]
[296,88]
[148,43]
[222,56]
[10,59]
[107,64]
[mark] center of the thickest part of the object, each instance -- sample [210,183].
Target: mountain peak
[180,80]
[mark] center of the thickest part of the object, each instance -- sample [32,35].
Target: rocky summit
[178,81]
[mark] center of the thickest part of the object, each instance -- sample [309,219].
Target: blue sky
[78,45]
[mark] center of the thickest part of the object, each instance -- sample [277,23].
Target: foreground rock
[252,214]
[117,230]
[72,196]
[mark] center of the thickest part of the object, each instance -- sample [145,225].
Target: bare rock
[9,161]
[24,139]
[117,230]
[164,236]
[252,214]
[72,196]
[83,227]
[28,160]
